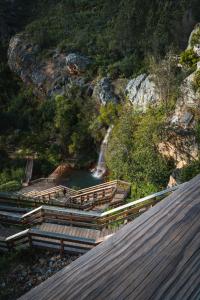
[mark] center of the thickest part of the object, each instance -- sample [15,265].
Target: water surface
[80,179]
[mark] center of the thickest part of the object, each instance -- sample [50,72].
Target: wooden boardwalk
[55,237]
[157,257]
[112,193]
[81,218]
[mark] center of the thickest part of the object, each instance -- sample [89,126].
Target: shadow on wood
[157,256]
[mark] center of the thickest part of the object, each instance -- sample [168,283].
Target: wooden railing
[57,190]
[82,199]
[16,241]
[42,239]
[92,219]
[88,219]
[157,256]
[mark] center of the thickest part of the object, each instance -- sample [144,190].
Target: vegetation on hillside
[118,36]
[132,152]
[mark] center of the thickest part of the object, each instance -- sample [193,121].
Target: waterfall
[101,166]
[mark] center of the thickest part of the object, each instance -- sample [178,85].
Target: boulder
[141,91]
[104,91]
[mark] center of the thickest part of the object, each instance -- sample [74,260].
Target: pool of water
[80,179]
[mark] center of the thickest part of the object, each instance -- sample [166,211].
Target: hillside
[69,69]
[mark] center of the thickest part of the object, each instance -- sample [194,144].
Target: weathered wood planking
[157,256]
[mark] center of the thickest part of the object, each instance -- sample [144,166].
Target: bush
[196,84]
[189,59]
[132,152]
[195,38]
[190,171]
[10,186]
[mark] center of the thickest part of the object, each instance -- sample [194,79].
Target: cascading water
[101,166]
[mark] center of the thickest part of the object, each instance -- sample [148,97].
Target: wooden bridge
[56,237]
[47,224]
[157,256]
[113,193]
[80,218]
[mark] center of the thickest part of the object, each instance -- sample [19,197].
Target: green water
[80,179]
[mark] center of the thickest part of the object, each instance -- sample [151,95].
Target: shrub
[196,83]
[195,38]
[189,59]
[10,186]
[132,152]
[190,171]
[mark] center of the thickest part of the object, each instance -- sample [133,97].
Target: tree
[133,154]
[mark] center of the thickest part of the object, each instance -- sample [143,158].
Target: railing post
[9,245]
[62,249]
[30,240]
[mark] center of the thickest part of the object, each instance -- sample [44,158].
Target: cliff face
[180,142]
[48,76]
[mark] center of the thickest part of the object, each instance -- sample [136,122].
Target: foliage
[132,152]
[11,174]
[189,59]
[108,113]
[10,186]
[195,38]
[116,34]
[166,78]
[74,112]
[190,171]
[196,83]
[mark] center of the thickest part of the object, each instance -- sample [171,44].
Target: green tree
[133,150]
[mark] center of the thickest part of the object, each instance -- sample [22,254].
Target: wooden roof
[157,256]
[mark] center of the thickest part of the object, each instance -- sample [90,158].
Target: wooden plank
[64,237]
[157,256]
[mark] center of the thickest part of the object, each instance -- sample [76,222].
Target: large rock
[180,146]
[187,104]
[47,76]
[141,91]
[104,91]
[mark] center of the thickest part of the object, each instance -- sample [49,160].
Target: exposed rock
[141,91]
[104,91]
[76,63]
[181,147]
[48,76]
[119,86]
[22,276]
[197,49]
[188,101]
[62,170]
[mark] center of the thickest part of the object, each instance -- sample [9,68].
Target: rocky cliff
[47,75]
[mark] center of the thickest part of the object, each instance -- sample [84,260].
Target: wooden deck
[157,256]
[112,193]
[55,237]
[81,218]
